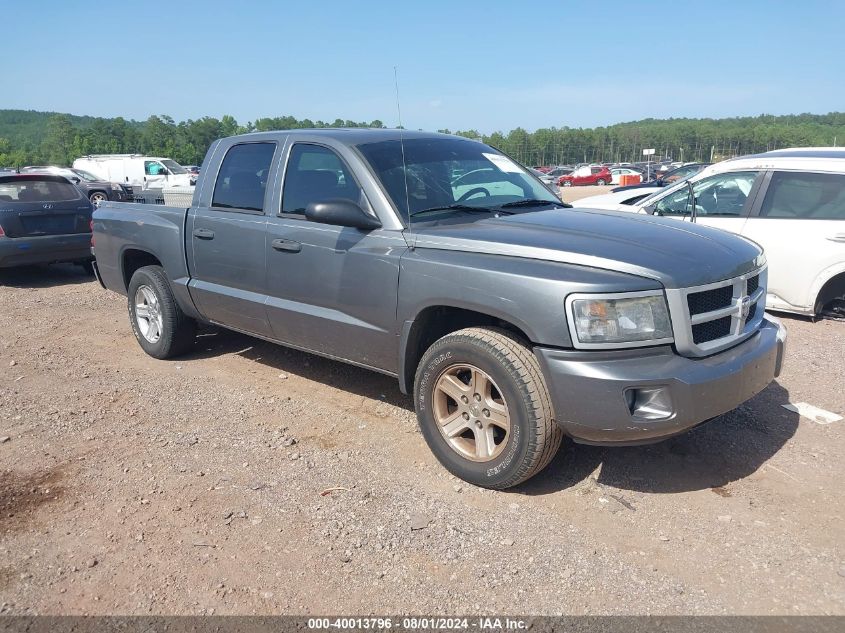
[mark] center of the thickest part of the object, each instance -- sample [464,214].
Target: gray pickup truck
[512,319]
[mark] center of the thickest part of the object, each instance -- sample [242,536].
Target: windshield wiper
[457,207]
[533,202]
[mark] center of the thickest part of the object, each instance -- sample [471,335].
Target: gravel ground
[247,478]
[571,194]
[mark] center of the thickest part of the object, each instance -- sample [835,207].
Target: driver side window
[720,195]
[154,168]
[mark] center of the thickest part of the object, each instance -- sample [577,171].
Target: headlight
[116,188]
[619,320]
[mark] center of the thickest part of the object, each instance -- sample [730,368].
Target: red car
[597,176]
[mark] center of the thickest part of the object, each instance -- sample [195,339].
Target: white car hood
[614,201]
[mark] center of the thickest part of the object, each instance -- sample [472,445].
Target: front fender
[526,293]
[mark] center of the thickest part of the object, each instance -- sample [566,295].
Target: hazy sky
[491,65]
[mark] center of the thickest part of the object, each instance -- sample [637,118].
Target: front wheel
[97,197]
[161,327]
[566,183]
[600,182]
[484,409]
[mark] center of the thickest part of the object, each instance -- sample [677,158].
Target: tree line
[30,138]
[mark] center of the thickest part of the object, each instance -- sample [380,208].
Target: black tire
[534,437]
[177,331]
[567,183]
[98,196]
[600,182]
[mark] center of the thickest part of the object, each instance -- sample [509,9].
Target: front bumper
[588,389]
[45,249]
[121,195]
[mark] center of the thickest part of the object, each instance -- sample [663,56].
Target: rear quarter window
[37,191]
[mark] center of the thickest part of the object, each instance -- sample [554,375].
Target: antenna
[402,145]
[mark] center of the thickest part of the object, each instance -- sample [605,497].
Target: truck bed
[123,228]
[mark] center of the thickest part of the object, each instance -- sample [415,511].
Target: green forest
[35,138]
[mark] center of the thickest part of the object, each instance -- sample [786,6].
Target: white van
[144,172]
[790,201]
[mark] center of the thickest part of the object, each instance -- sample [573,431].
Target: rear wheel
[484,409]
[159,324]
[566,183]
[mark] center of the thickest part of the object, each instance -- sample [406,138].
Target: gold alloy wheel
[471,412]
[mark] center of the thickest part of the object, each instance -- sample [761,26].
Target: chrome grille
[707,319]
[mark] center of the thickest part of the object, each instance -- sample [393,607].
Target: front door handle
[204,234]
[291,246]
[839,237]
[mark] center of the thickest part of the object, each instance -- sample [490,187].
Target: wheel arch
[832,286]
[131,259]
[434,322]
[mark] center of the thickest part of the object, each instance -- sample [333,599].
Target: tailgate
[38,219]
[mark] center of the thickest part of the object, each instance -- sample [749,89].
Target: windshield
[450,176]
[173,167]
[85,175]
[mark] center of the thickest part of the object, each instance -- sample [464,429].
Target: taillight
[1,232]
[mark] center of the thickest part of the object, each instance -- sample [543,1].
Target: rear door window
[806,196]
[37,191]
[242,180]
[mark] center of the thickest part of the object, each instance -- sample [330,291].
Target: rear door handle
[291,246]
[839,237]
[204,234]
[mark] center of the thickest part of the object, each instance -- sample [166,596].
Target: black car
[669,178]
[97,189]
[43,219]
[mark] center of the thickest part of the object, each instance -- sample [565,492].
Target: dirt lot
[130,485]
[571,194]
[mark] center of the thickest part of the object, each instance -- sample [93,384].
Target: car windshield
[85,175]
[173,167]
[445,176]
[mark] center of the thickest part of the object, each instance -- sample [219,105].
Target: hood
[675,253]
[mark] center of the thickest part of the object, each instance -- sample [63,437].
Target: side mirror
[341,212]
[75,179]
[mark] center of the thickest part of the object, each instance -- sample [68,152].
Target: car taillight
[1,232]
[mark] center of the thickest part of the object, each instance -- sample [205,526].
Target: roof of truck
[352,135]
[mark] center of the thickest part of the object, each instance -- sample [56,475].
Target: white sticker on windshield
[503,162]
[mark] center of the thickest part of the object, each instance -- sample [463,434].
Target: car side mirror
[341,212]
[75,179]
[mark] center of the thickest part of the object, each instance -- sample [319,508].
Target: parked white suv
[791,202]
